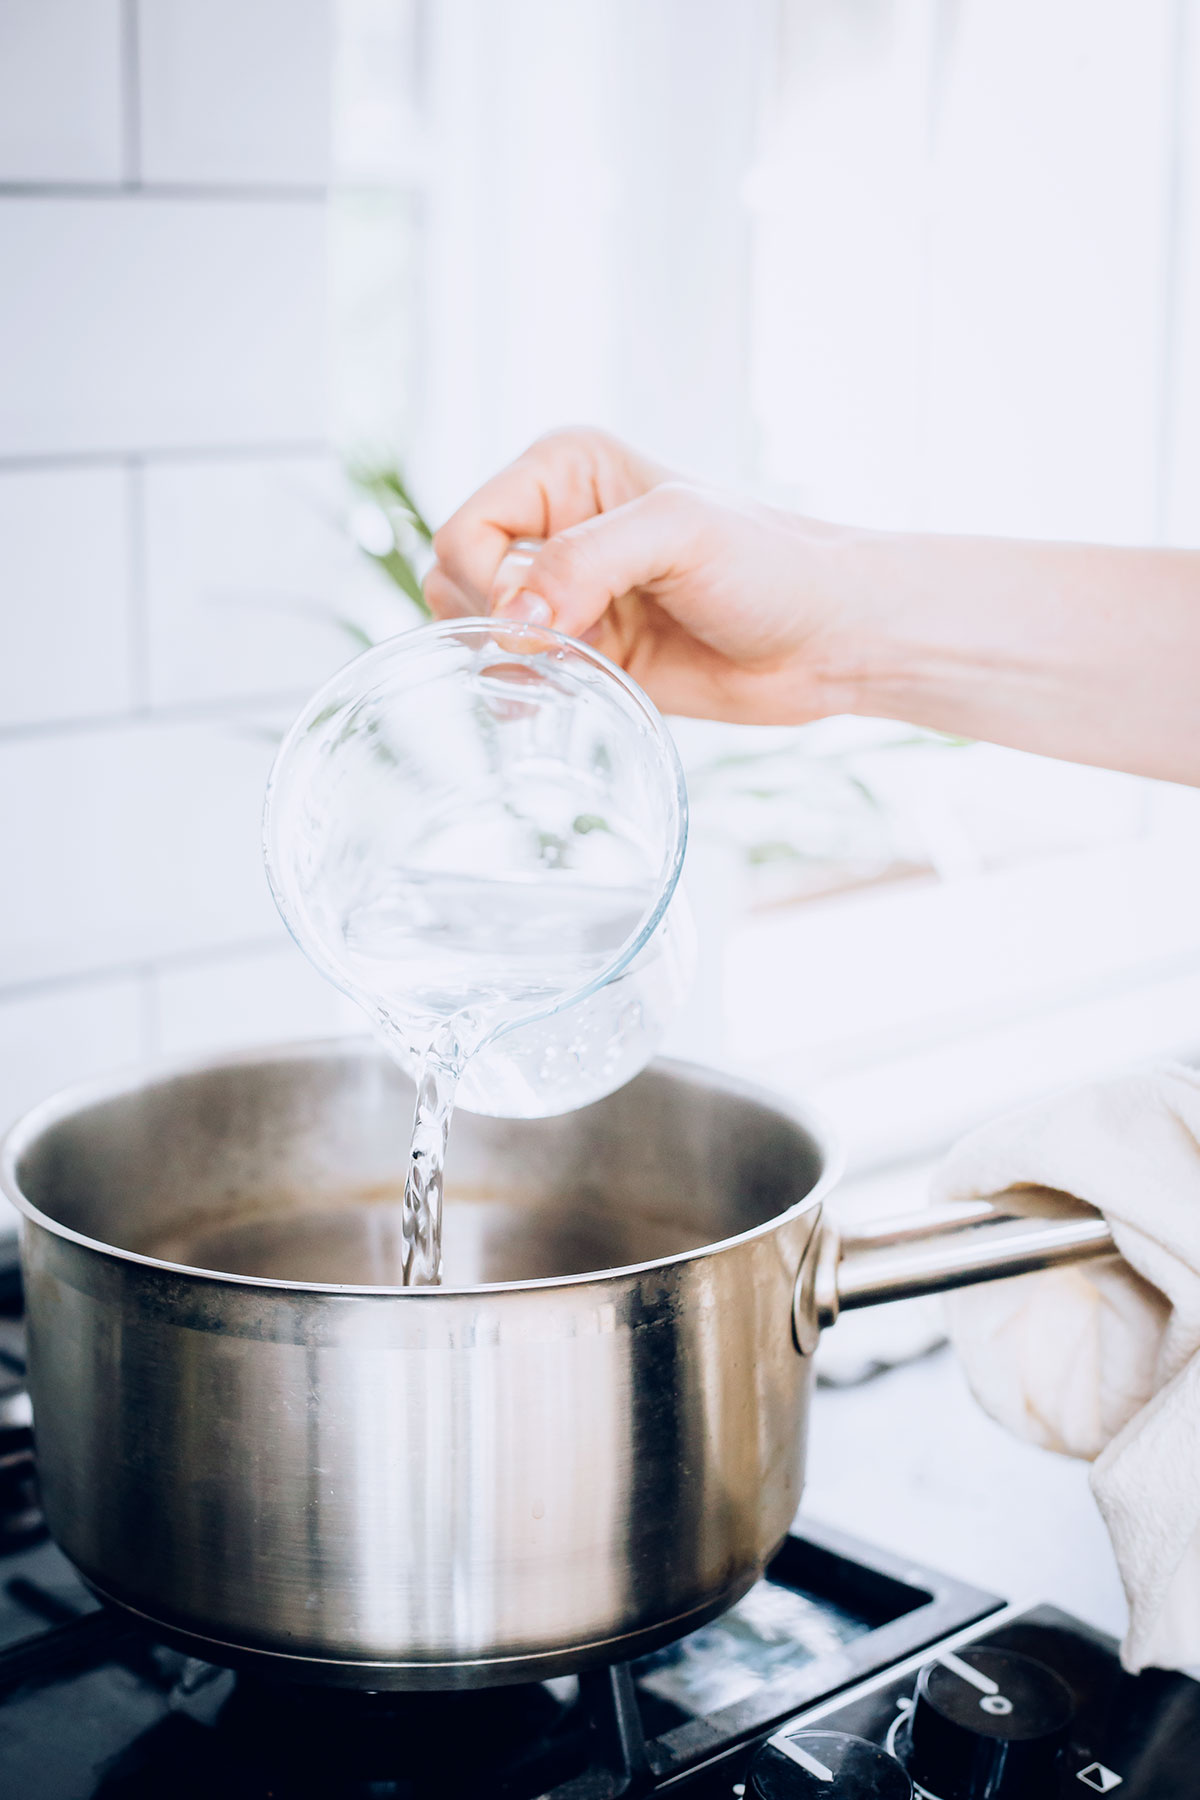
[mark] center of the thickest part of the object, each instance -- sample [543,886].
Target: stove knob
[988,1725]
[825,1765]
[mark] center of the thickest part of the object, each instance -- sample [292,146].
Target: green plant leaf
[384,483]
[390,481]
[395,564]
[355,633]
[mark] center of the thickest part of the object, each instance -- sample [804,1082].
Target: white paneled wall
[977,251]
[1181,435]
[173,559]
[1045,278]
[588,248]
[834,302]
[912,262]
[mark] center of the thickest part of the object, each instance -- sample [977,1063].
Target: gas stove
[847,1672]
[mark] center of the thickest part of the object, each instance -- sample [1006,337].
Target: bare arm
[1075,651]
[726,609]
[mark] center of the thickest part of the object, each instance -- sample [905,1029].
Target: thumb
[575,576]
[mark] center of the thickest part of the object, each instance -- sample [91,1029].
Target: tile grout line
[131,96]
[251,452]
[138,609]
[250,192]
[880,1049]
[235,710]
[170,962]
[149,1010]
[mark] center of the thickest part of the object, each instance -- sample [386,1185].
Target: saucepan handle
[937,1249]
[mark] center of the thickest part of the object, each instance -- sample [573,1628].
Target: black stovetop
[91,1708]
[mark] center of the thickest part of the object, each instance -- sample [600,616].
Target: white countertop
[909,1461]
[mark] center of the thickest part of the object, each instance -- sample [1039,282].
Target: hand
[719,607]
[726,609]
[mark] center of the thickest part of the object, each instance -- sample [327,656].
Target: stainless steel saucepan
[589,1441]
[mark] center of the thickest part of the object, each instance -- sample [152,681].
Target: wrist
[865,656]
[915,637]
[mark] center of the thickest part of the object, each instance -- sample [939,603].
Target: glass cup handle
[513,564]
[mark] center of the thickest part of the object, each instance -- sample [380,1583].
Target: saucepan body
[534,1467]
[589,1441]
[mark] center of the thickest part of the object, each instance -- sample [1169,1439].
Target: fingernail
[523,607]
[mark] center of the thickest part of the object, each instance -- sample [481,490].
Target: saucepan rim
[82,1096]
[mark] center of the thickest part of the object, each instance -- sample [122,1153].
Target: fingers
[560,481]
[574,578]
[472,544]
[445,599]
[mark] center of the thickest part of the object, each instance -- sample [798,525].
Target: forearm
[1086,653]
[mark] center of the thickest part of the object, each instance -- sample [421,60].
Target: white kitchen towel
[1102,1360]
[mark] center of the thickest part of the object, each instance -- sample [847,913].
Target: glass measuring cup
[476,831]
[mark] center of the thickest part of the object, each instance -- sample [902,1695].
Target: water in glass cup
[477,835]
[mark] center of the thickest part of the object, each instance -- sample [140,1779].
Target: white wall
[976,307]
[906,261]
[974,230]
[170,531]
[924,262]
[915,263]
[587,248]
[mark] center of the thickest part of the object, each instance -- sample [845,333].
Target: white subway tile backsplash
[60,90]
[250,567]
[66,1034]
[133,842]
[149,323]
[140,323]
[71,1034]
[234,92]
[64,594]
[256,997]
